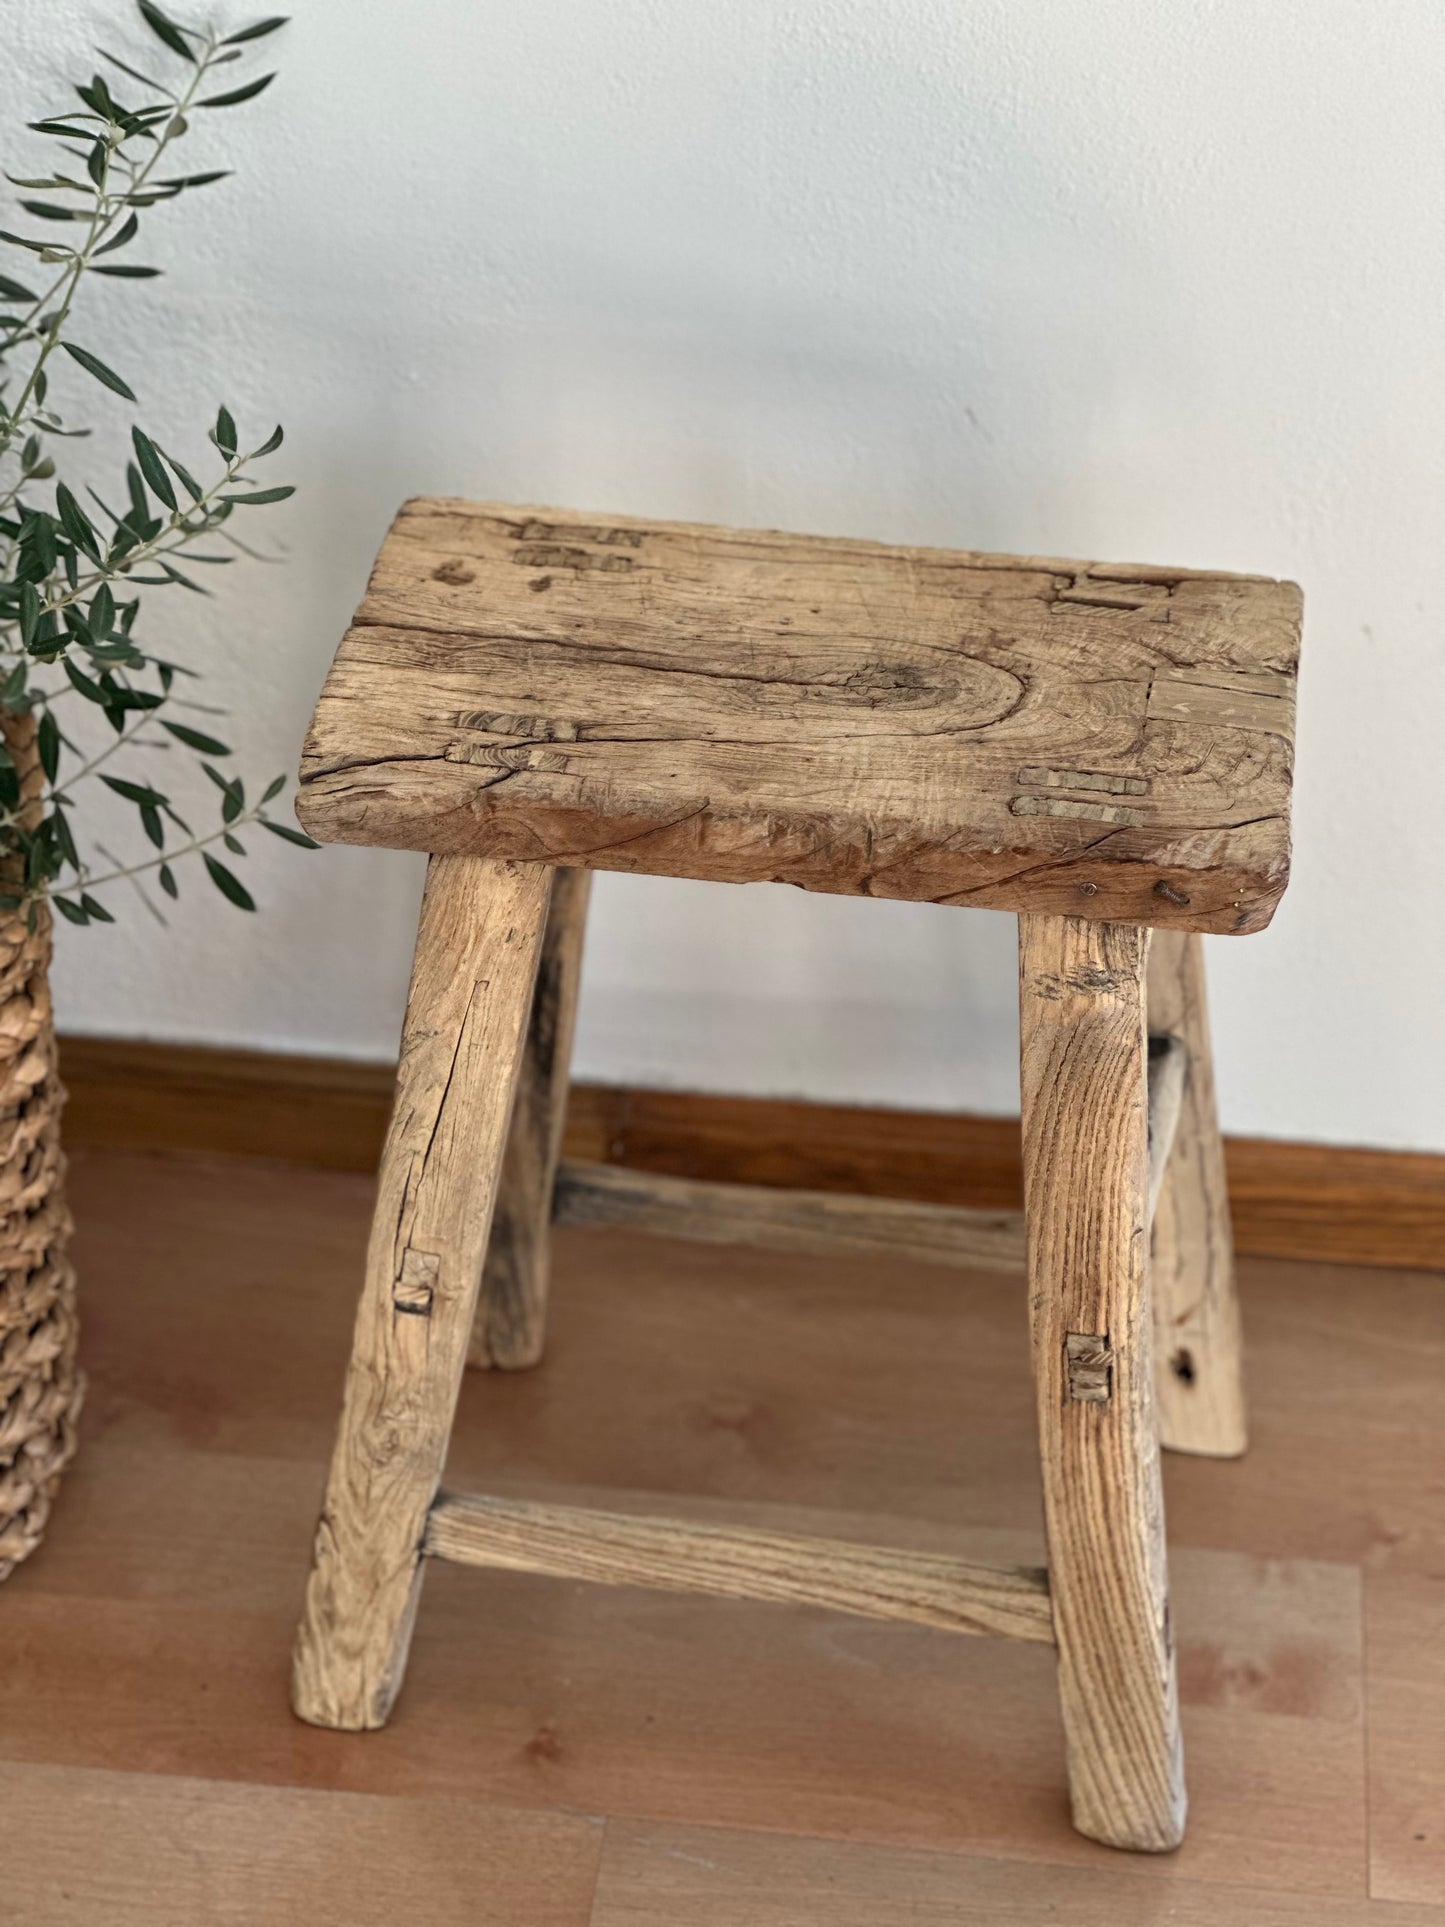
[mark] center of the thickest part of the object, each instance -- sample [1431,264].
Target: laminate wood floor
[564,1754]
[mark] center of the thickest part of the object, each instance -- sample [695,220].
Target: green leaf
[77,525]
[107,377]
[140,507]
[165,30]
[37,539]
[122,268]
[146,80]
[15,290]
[133,792]
[95,910]
[271,444]
[273,788]
[97,97]
[229,885]
[150,818]
[288,835]
[254,33]
[234,844]
[91,690]
[71,911]
[166,877]
[125,232]
[48,742]
[73,617]
[258,496]
[48,211]
[153,468]
[233,794]
[96,161]
[234,98]
[29,613]
[190,485]
[179,181]
[64,841]
[225,432]
[194,739]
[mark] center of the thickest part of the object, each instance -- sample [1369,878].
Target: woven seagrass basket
[40,1386]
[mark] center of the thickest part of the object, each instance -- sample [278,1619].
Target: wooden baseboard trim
[1310,1201]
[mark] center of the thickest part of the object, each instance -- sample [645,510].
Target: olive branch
[68,569]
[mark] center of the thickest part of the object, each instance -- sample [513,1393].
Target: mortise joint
[415,1288]
[1090,1360]
[1111,783]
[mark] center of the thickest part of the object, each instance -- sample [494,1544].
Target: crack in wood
[914,720]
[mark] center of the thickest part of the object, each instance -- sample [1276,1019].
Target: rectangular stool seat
[1114,743]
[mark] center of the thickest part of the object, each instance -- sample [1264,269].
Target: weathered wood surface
[808,1221]
[1022,732]
[1083,1050]
[1198,1363]
[466,1016]
[743,1562]
[511,1321]
[1168,1072]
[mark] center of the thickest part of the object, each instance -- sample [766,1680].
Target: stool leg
[1197,1371]
[511,1321]
[471,990]
[1085,1136]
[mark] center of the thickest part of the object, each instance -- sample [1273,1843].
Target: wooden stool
[528,696]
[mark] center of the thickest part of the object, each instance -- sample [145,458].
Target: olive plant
[75,560]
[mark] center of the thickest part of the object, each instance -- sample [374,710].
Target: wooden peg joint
[1090,1360]
[416,1287]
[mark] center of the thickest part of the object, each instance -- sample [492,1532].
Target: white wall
[1130,279]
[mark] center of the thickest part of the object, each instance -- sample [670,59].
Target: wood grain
[511,1321]
[1337,1204]
[1168,1069]
[656,1876]
[678,1555]
[1323,1202]
[1027,733]
[471,991]
[1405,1673]
[1083,1050]
[811,1221]
[818,1397]
[1198,1344]
[87,1848]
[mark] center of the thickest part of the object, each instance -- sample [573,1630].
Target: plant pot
[40,1385]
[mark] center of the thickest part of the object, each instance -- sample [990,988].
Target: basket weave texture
[40,1386]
